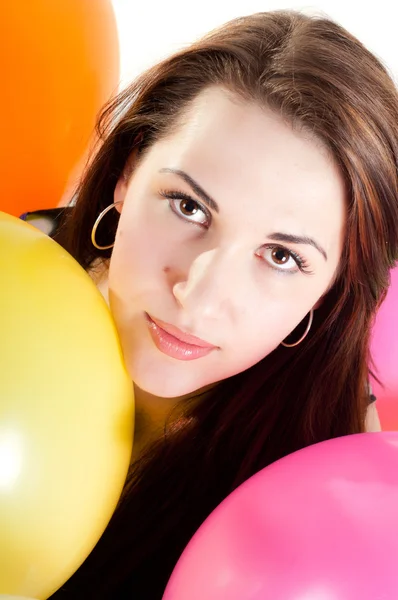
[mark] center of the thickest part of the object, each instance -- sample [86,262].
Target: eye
[282,259]
[187,208]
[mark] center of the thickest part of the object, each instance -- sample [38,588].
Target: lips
[175,343]
[180,335]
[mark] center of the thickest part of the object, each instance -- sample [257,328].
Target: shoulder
[372,397]
[372,422]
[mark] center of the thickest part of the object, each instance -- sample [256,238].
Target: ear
[325,293]
[120,191]
[319,303]
[123,182]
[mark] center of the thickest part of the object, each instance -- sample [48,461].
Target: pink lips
[175,343]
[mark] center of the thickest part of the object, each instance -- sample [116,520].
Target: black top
[47,220]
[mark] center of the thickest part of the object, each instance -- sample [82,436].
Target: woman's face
[231,230]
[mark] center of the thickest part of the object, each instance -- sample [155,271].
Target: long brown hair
[319,77]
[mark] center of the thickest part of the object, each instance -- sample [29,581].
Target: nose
[211,288]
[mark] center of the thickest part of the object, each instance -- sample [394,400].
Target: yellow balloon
[66,413]
[7,597]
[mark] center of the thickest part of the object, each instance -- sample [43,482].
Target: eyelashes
[300,261]
[191,211]
[187,204]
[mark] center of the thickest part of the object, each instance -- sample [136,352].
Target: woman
[241,218]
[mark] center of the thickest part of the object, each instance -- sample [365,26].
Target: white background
[149,30]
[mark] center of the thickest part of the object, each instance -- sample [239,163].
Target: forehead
[233,118]
[240,151]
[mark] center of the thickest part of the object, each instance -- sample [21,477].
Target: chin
[163,391]
[164,382]
[158,374]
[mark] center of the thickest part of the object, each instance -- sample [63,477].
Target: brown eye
[280,256]
[188,207]
[281,259]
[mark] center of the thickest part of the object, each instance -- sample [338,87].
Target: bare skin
[220,275]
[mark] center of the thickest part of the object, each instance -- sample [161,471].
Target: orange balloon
[60,65]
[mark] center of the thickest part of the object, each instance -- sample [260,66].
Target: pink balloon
[320,524]
[384,349]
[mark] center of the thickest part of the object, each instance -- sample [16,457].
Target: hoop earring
[97,222]
[311,317]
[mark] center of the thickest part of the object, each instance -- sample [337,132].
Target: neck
[152,413]
[99,274]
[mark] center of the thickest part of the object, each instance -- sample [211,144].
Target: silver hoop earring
[311,317]
[97,222]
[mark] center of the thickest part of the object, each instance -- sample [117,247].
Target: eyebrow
[195,187]
[277,236]
[297,239]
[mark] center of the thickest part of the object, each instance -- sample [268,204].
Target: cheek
[262,328]
[140,247]
[264,332]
